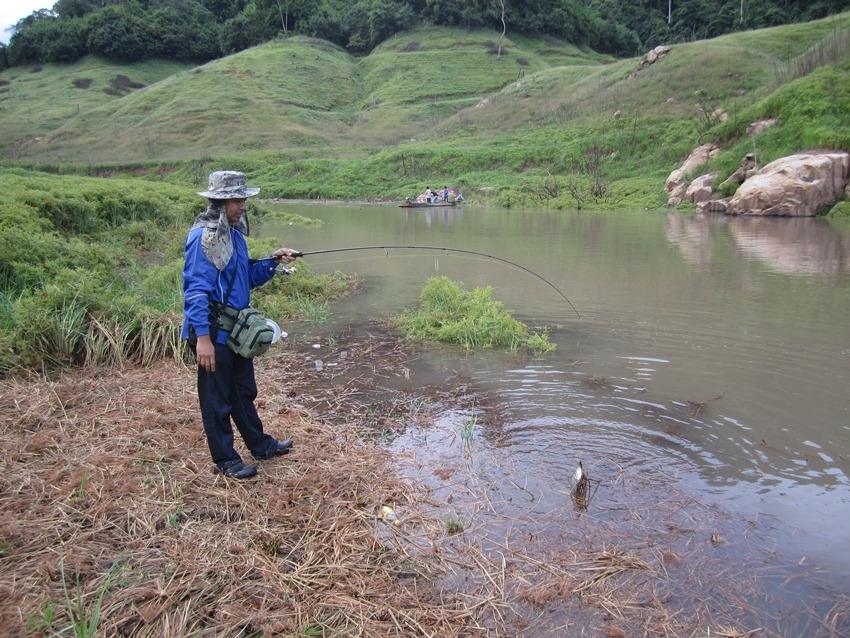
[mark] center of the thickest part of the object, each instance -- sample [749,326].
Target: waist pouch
[250,334]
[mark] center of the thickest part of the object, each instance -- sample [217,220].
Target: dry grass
[109,471]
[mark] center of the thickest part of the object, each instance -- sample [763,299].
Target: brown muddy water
[710,365]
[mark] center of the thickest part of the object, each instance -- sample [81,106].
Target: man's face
[234,209]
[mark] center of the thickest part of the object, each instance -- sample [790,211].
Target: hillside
[291,93]
[35,100]
[545,123]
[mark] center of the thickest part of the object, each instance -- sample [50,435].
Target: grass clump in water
[472,319]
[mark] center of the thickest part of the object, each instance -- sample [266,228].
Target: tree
[504,29]
[119,33]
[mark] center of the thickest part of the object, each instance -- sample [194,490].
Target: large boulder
[713,206]
[676,184]
[701,189]
[797,185]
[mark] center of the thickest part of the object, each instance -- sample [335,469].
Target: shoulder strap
[230,286]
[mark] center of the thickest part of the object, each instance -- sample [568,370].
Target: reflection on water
[802,245]
[702,352]
[444,215]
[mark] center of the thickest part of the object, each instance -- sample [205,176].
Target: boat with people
[411,204]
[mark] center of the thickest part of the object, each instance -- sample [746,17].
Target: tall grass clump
[472,319]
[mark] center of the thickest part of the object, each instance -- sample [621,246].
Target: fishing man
[217,270]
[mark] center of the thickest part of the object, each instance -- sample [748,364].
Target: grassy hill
[290,93]
[544,123]
[35,100]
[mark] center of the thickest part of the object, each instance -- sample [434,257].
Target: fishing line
[387,248]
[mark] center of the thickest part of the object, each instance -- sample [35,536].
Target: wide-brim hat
[228,185]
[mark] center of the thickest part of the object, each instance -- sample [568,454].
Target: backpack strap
[219,315]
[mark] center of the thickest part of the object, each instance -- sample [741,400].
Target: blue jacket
[202,282]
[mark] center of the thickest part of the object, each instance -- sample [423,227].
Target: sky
[13,10]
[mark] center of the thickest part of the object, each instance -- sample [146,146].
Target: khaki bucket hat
[228,185]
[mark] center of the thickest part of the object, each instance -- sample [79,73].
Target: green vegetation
[199,30]
[472,319]
[33,104]
[90,271]
[454,526]
[467,429]
[86,618]
[547,124]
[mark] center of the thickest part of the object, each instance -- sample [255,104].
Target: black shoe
[278,448]
[236,470]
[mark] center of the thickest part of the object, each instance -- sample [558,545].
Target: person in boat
[216,260]
[429,194]
[445,193]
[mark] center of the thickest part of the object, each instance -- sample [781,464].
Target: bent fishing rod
[444,249]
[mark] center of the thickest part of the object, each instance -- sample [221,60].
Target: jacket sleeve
[260,271]
[199,281]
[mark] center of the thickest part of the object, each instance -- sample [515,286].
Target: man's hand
[206,353]
[286,255]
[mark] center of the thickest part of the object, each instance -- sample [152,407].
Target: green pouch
[251,334]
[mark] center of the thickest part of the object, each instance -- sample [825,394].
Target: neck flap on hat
[216,240]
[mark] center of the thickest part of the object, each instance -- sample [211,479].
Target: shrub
[472,319]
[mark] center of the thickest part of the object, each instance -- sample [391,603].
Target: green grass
[292,93]
[471,319]
[34,104]
[454,526]
[90,271]
[546,125]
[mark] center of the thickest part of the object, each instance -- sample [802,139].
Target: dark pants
[230,392]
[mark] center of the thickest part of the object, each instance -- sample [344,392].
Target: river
[713,349]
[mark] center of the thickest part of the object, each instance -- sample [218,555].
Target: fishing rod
[445,249]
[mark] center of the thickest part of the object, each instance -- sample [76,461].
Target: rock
[675,184]
[677,194]
[701,189]
[670,99]
[745,170]
[651,58]
[719,115]
[797,185]
[617,114]
[759,126]
[714,206]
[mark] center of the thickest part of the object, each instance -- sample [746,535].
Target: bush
[119,33]
[472,319]
[49,40]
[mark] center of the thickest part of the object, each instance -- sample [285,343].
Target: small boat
[410,204]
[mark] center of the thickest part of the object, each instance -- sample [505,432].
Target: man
[217,269]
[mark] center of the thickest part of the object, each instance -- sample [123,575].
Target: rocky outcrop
[797,185]
[676,185]
[701,189]
[651,58]
[759,126]
[747,169]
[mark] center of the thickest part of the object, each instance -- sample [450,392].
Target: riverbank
[108,492]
